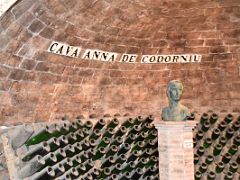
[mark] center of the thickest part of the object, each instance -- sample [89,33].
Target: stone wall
[37,85]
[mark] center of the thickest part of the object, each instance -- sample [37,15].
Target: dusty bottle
[108,162]
[58,169]
[69,150]
[207,143]
[121,158]
[100,153]
[128,123]
[213,119]
[203,168]
[112,150]
[104,173]
[219,168]
[104,143]
[233,150]
[50,159]
[222,126]
[133,156]
[211,176]
[126,176]
[209,159]
[88,125]
[117,168]
[124,148]
[228,119]
[95,134]
[141,162]
[198,175]
[151,162]
[109,133]
[215,134]
[130,139]
[138,146]
[137,173]
[204,118]
[121,131]
[233,167]
[40,149]
[46,173]
[100,124]
[112,124]
[226,158]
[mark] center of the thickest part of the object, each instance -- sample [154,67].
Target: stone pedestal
[175,146]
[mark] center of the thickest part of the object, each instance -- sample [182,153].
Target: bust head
[174,90]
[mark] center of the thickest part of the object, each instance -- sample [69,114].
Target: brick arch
[38,85]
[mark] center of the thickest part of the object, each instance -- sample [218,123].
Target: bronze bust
[175,111]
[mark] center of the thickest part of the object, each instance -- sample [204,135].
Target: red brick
[16,74]
[36,26]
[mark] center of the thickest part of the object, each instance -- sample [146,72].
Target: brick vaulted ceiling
[35,84]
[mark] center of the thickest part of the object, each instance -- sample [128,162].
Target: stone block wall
[38,85]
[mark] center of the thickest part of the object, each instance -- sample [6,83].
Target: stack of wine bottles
[109,149]
[216,147]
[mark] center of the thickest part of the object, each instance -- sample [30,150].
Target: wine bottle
[77,147]
[211,176]
[233,150]
[104,173]
[73,173]
[142,136]
[219,168]
[213,119]
[50,159]
[121,131]
[203,168]
[236,141]
[151,162]
[196,159]
[222,126]
[134,130]
[100,153]
[128,123]
[200,151]
[117,141]
[152,134]
[138,146]
[146,127]
[109,133]
[215,134]
[46,173]
[69,150]
[88,164]
[104,143]
[67,163]
[191,117]
[63,141]
[76,160]
[129,167]
[137,173]
[223,141]
[108,162]
[85,144]
[124,148]
[198,175]
[88,125]
[43,135]
[81,170]
[126,176]
[233,167]
[64,129]
[228,119]
[54,143]
[86,132]
[95,173]
[199,135]
[217,149]
[236,126]
[72,138]
[117,168]
[112,124]
[226,158]
[112,150]
[91,152]
[209,159]
[207,143]
[148,119]
[79,122]
[133,156]
[95,134]
[238,160]
[205,126]
[151,143]
[60,154]
[138,120]
[58,169]
[121,159]
[229,133]
[228,176]
[40,149]
[141,162]
[204,118]
[73,127]
[194,142]
[100,124]
[130,139]
[84,156]
[92,143]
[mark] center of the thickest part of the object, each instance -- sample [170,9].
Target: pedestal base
[175,146]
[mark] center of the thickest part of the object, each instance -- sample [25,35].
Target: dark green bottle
[112,124]
[63,141]
[88,125]
[229,133]
[236,126]
[233,167]
[80,135]
[59,169]
[137,173]
[215,134]
[128,123]
[196,159]
[67,163]
[43,135]
[148,119]
[121,131]
[104,143]
[112,150]
[105,173]
[60,154]
[219,168]
[205,126]
[108,162]
[223,141]
[211,176]
[133,156]
[141,162]
[203,168]
[100,153]
[226,158]
[209,159]
[198,175]
[199,135]
[95,134]
[213,119]
[69,150]
[117,141]
[138,146]
[146,127]
[84,156]
[109,133]
[222,126]
[54,143]
[117,168]
[40,149]
[134,130]
[151,162]
[138,120]
[130,138]
[50,159]
[81,170]
[238,160]
[236,141]
[217,149]
[121,159]
[152,134]
[228,119]
[72,138]
[142,136]
[207,143]
[229,176]
[85,144]
[76,160]
[95,173]
[129,167]
[46,173]
[88,164]
[204,118]
[100,124]
[124,148]
[233,150]
[125,176]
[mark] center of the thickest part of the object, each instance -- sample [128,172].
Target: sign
[98,55]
